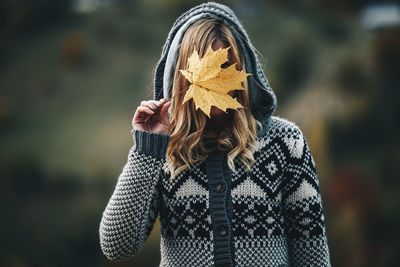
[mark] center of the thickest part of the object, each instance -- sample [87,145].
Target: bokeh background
[73,72]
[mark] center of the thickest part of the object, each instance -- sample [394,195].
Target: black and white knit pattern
[276,210]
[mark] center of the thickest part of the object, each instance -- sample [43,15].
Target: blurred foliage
[70,80]
[21,17]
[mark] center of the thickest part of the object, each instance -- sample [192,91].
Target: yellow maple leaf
[210,83]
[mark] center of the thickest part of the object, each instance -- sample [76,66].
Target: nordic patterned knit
[210,216]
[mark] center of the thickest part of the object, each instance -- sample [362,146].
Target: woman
[237,189]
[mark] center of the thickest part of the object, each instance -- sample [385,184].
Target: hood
[262,99]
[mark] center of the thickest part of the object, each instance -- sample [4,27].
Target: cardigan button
[222,230]
[220,187]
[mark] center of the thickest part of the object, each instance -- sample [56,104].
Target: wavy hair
[187,125]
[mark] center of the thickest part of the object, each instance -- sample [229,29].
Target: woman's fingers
[165,107]
[153,104]
[142,109]
[149,104]
[156,102]
[162,107]
[152,115]
[164,113]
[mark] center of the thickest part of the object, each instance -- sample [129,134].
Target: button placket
[218,209]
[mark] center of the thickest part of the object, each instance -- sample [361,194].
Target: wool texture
[211,216]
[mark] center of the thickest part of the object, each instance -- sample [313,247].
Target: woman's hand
[152,116]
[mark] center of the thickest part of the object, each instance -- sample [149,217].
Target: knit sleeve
[303,206]
[132,210]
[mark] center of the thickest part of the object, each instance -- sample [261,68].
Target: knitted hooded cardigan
[209,215]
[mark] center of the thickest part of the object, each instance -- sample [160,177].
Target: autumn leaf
[210,83]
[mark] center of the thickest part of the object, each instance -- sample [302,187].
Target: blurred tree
[72,50]
[293,68]
[356,217]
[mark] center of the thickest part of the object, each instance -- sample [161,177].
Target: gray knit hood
[262,99]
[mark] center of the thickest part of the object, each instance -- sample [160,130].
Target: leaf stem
[177,94]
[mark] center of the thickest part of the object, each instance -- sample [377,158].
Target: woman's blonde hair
[187,125]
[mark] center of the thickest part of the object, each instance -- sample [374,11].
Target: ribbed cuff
[153,144]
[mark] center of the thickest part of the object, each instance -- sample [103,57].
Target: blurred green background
[73,72]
